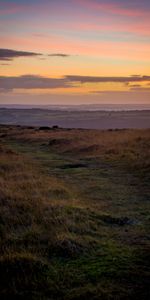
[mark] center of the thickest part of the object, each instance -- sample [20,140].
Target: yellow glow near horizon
[106,40]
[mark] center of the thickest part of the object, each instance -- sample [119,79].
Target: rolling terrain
[76,118]
[74,213]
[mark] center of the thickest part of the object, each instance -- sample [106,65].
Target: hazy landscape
[69,117]
[74,215]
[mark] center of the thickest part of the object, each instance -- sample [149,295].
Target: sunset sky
[74,51]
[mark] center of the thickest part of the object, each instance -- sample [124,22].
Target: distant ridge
[85,117]
[82,107]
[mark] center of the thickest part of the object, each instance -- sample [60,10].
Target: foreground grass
[74,219]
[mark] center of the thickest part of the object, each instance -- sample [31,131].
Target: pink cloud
[10,8]
[113,26]
[54,43]
[79,21]
[113,8]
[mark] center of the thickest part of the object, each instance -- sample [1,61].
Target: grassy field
[74,213]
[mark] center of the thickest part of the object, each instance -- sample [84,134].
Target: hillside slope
[74,215]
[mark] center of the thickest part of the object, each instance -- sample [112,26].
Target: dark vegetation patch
[59,142]
[44,128]
[122,221]
[3,135]
[41,128]
[59,193]
[89,149]
[30,127]
[68,249]
[56,127]
[24,276]
[74,166]
[7,150]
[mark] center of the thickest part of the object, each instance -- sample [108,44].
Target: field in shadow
[74,213]
[97,119]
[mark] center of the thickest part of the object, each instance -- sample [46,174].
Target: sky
[74,52]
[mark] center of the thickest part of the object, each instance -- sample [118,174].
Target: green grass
[74,224]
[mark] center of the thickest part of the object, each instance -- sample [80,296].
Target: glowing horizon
[53,49]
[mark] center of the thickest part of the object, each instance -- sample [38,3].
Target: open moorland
[69,118]
[74,213]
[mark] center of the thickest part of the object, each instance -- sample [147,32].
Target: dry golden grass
[27,204]
[125,145]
